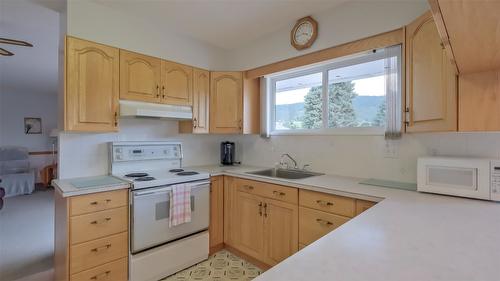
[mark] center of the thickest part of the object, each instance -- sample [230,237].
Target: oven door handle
[167,188]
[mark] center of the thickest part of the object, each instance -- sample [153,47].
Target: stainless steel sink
[285,173]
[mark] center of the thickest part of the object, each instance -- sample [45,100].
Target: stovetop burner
[176,170]
[188,173]
[136,175]
[144,179]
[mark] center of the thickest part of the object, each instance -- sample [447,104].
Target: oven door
[150,215]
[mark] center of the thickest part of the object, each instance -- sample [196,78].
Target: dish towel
[180,204]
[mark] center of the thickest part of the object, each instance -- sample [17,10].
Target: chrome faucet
[295,166]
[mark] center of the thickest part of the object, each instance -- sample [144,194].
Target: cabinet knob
[100,276]
[195,123]
[260,209]
[157,91]
[116,118]
[163,91]
[324,203]
[324,222]
[248,187]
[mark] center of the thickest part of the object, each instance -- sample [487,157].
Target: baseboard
[248,258]
[216,248]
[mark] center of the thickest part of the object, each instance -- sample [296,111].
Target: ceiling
[227,24]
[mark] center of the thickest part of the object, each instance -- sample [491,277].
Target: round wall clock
[304,33]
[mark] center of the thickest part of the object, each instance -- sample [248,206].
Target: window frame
[323,68]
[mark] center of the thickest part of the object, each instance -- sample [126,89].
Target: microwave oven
[465,177]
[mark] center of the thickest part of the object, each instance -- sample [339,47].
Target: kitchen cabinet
[216,229]
[363,205]
[140,77]
[226,102]
[177,83]
[320,213]
[201,104]
[257,225]
[250,231]
[469,32]
[91,236]
[431,80]
[479,101]
[92,87]
[281,230]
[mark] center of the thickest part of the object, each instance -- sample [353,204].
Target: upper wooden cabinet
[177,83]
[201,104]
[469,31]
[92,86]
[140,77]
[479,101]
[431,81]
[226,102]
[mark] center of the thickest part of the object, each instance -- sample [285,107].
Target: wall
[105,25]
[28,80]
[345,23]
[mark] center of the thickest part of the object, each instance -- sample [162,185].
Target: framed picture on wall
[32,125]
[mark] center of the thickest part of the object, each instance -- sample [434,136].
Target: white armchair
[15,172]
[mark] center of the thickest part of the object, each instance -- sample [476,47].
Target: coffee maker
[227,149]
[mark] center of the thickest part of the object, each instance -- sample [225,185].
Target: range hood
[144,109]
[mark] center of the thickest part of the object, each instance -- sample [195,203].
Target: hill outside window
[354,95]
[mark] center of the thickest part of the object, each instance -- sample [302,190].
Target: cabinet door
[177,83]
[281,230]
[226,102]
[250,227]
[139,77]
[92,86]
[216,228]
[431,80]
[201,100]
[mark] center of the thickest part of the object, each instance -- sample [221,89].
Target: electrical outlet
[391,149]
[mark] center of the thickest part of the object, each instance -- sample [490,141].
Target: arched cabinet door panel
[92,86]
[140,77]
[177,83]
[226,102]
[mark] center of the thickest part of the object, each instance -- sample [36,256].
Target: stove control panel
[495,180]
[142,152]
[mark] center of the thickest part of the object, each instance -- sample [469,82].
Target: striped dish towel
[180,204]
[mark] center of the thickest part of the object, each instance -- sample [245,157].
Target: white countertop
[406,236]
[68,187]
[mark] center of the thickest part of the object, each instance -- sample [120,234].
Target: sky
[372,86]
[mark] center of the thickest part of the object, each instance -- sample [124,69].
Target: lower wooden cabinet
[216,228]
[261,227]
[281,230]
[91,237]
[270,222]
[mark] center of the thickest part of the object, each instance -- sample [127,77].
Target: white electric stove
[156,249]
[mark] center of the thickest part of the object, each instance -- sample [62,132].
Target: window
[359,94]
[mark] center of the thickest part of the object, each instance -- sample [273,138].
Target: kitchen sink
[285,173]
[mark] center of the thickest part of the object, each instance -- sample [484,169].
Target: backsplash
[357,156]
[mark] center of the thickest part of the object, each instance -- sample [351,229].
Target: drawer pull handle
[324,222]
[102,221]
[324,203]
[279,193]
[102,275]
[248,187]
[260,209]
[98,249]
[265,210]
[97,202]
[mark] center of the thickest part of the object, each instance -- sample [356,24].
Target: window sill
[332,132]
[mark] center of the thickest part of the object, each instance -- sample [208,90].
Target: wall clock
[304,33]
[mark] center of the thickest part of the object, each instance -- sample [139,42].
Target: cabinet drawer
[85,204]
[96,225]
[113,271]
[269,190]
[98,252]
[363,205]
[334,204]
[314,224]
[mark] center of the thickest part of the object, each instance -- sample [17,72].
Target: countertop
[407,236]
[70,187]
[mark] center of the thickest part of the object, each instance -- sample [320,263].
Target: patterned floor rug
[221,266]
